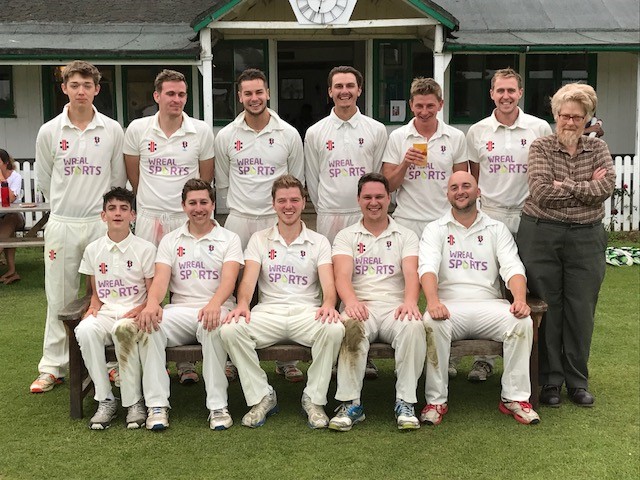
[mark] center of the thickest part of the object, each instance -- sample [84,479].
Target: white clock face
[321,11]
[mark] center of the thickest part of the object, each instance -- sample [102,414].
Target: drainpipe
[441,62]
[206,57]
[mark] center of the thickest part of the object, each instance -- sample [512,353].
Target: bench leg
[77,373]
[533,363]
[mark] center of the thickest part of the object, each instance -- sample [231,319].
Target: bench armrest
[75,310]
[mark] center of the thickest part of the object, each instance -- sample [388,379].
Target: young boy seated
[120,267]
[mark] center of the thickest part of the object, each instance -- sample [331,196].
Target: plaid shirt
[579,199]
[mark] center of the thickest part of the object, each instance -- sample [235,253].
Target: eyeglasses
[575,118]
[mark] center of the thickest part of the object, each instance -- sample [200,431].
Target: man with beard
[562,240]
[461,257]
[251,152]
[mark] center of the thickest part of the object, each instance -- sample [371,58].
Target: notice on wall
[398,109]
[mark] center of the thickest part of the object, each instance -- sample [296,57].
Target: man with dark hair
[161,152]
[120,268]
[338,150]
[78,158]
[376,272]
[292,267]
[251,152]
[420,175]
[199,263]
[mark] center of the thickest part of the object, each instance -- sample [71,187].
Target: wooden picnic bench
[80,384]
[29,236]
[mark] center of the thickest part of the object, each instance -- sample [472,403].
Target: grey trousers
[565,266]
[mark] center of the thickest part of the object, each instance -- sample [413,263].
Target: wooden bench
[80,384]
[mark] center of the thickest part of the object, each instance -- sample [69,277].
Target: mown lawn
[475,441]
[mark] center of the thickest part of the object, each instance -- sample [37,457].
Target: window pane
[230,60]
[547,73]
[139,90]
[6,99]
[398,64]
[471,82]
[105,101]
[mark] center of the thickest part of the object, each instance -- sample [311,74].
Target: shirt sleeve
[342,244]
[234,251]
[222,162]
[430,250]
[295,161]
[254,249]
[392,153]
[381,145]
[312,165]
[131,144]
[86,265]
[148,260]
[411,246]
[208,146]
[44,161]
[118,171]
[594,192]
[459,147]
[165,254]
[324,251]
[507,254]
[15,184]
[472,151]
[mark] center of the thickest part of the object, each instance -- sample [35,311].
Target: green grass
[475,441]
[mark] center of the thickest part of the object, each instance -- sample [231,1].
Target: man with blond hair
[420,177]
[561,240]
[78,159]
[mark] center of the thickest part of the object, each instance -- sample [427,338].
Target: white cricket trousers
[180,326]
[482,319]
[64,242]
[415,225]
[152,225]
[246,225]
[270,325]
[406,337]
[93,334]
[329,224]
[509,216]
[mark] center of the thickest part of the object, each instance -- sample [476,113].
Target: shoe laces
[438,408]
[404,409]
[219,412]
[46,377]
[157,410]
[106,406]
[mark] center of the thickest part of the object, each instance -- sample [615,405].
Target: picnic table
[30,237]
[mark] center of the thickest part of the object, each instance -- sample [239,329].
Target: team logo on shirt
[238,145]
[361,247]
[96,141]
[271,141]
[211,248]
[181,251]
[443,149]
[152,146]
[330,145]
[129,264]
[490,145]
[303,254]
[480,239]
[64,145]
[451,240]
[388,244]
[465,260]
[185,144]
[52,254]
[523,142]
[272,254]
[361,141]
[103,268]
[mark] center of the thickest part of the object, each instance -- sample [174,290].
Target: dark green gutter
[542,48]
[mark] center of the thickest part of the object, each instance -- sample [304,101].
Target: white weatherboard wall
[18,135]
